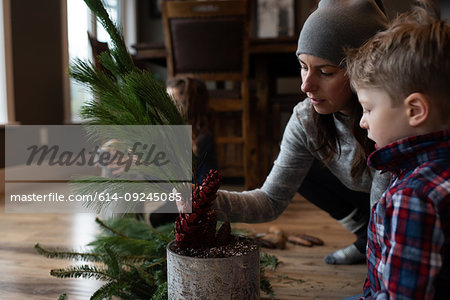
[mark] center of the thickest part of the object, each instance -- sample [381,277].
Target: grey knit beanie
[339,24]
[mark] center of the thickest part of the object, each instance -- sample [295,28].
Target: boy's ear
[418,108]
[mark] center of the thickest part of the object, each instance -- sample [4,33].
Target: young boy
[402,78]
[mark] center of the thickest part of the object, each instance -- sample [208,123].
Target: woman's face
[325,84]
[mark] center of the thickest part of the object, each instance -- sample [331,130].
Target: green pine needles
[129,256]
[124,95]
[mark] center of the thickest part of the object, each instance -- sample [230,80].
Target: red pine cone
[198,229]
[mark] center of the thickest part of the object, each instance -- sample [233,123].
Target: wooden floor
[302,273]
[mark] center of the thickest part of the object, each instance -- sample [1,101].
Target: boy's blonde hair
[412,55]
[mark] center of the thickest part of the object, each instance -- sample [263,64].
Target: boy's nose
[363,123]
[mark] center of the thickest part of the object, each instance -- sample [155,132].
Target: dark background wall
[37,54]
[445,9]
[37,61]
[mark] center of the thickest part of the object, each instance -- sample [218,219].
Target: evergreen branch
[70,255]
[127,97]
[86,73]
[111,106]
[107,61]
[130,246]
[161,292]
[63,297]
[84,271]
[103,225]
[132,259]
[269,261]
[148,282]
[266,287]
[166,231]
[106,291]
[152,93]
[132,228]
[113,262]
[119,52]
[147,277]
[289,280]
[90,257]
[156,262]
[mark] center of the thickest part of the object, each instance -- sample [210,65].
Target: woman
[322,131]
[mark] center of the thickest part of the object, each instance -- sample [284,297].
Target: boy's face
[385,123]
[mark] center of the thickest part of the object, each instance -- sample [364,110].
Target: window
[3,95]
[79,22]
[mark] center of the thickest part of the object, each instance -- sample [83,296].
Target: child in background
[402,78]
[191,96]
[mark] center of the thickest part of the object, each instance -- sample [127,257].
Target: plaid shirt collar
[411,151]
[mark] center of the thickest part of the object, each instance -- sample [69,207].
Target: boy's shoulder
[428,182]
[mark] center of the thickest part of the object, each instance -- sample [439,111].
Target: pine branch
[84,271]
[149,275]
[107,61]
[113,262]
[132,228]
[133,276]
[134,259]
[266,287]
[129,246]
[143,274]
[269,261]
[107,291]
[119,52]
[63,297]
[103,225]
[161,292]
[69,255]
[127,97]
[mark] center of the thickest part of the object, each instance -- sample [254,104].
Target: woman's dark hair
[328,139]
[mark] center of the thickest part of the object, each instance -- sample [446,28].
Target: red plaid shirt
[408,252]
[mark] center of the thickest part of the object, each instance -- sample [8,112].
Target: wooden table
[270,58]
[302,274]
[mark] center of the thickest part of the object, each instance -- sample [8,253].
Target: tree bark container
[235,277]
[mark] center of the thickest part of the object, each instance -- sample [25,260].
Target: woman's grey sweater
[290,168]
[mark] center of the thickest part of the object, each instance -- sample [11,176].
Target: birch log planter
[235,277]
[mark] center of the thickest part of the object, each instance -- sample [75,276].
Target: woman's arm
[380,183]
[287,174]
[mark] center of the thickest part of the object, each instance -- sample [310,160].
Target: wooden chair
[209,40]
[97,48]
